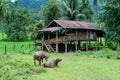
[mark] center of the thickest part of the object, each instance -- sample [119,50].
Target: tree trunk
[118,45]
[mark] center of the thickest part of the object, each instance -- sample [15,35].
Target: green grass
[18,48]
[21,67]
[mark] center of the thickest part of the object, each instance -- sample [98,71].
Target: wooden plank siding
[77,36]
[80,36]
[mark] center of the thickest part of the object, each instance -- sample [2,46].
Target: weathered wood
[14,47]
[56,41]
[48,38]
[76,43]
[87,40]
[98,42]
[66,47]
[66,42]
[42,41]
[5,49]
[89,44]
[79,44]
[81,35]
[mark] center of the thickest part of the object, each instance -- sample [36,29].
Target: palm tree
[95,4]
[86,9]
[73,10]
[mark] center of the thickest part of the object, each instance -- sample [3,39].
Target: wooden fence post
[5,49]
[22,46]
[14,47]
[29,46]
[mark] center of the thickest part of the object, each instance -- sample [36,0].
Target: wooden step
[49,47]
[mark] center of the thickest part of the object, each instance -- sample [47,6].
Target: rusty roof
[76,24]
[67,24]
[50,29]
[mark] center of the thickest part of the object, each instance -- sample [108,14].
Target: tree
[5,8]
[1,10]
[111,17]
[16,22]
[95,4]
[85,9]
[50,11]
[76,10]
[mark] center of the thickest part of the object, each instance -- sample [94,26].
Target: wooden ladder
[49,47]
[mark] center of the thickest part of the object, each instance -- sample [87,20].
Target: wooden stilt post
[48,38]
[76,43]
[98,43]
[87,41]
[65,42]
[65,47]
[42,41]
[56,41]
[79,44]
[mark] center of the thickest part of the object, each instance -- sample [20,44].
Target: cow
[39,56]
[52,63]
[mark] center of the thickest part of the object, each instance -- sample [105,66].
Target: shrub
[106,53]
[111,45]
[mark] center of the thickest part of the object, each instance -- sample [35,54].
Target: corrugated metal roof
[67,24]
[50,29]
[76,24]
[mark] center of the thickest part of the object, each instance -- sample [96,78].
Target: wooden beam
[98,43]
[79,44]
[56,41]
[48,38]
[76,43]
[66,47]
[65,42]
[42,41]
[87,37]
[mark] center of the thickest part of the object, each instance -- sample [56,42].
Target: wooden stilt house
[65,35]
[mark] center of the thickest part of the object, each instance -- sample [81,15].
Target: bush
[111,45]
[106,53]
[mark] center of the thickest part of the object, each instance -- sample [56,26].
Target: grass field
[91,65]
[13,47]
[21,67]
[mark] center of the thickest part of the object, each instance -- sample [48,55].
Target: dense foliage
[16,22]
[111,18]
[50,11]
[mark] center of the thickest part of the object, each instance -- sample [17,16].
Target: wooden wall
[81,35]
